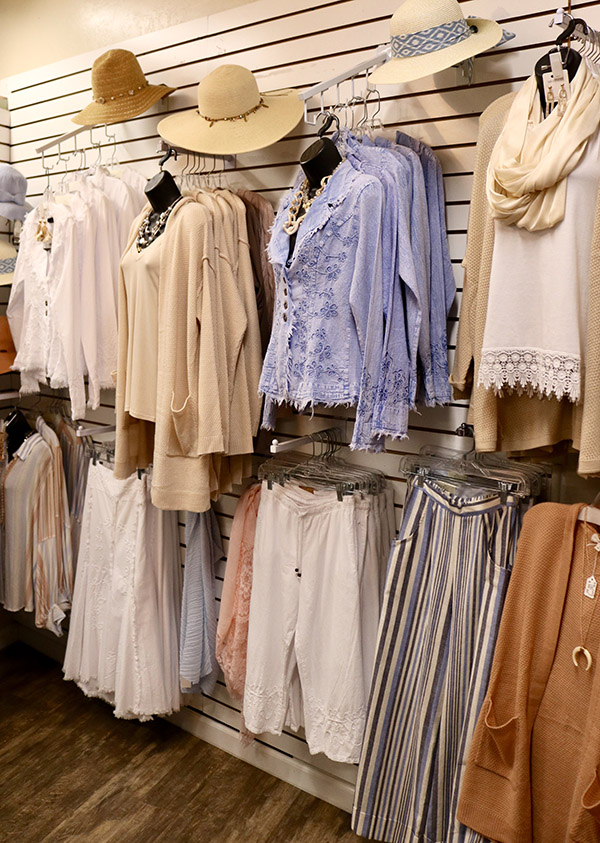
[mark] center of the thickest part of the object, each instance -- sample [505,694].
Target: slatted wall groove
[296,48]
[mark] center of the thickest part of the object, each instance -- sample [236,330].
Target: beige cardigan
[516,423]
[195,418]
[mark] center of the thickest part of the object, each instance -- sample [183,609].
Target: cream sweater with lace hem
[515,423]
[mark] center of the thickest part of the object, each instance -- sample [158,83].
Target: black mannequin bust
[17,430]
[162,191]
[318,161]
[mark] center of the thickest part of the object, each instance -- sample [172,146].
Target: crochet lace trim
[531,371]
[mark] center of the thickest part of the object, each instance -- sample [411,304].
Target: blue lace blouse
[327,335]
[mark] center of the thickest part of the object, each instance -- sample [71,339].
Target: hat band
[431,40]
[130,93]
[7,265]
[212,120]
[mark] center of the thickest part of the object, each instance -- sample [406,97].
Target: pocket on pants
[496,743]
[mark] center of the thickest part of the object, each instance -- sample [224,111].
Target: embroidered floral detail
[531,371]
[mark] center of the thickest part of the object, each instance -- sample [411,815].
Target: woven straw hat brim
[395,71]
[230,137]
[122,108]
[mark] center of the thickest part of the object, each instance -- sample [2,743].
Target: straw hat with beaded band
[232,115]
[431,35]
[119,89]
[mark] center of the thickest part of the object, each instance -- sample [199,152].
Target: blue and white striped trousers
[445,588]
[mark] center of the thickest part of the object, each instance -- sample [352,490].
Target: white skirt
[123,633]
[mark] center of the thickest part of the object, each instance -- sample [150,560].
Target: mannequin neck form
[161,191]
[319,160]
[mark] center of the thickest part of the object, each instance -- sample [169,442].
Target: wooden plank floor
[70,771]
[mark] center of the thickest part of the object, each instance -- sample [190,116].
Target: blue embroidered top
[397,380]
[443,285]
[327,335]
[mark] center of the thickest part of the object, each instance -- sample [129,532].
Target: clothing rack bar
[563,19]
[164,146]
[67,136]
[381,56]
[82,432]
[278,447]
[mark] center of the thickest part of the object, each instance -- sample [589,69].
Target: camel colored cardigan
[519,423]
[193,418]
[509,778]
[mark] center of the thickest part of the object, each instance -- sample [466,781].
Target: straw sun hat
[119,89]
[431,35]
[232,115]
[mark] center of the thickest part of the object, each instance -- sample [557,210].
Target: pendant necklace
[589,591]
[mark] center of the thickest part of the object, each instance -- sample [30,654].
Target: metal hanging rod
[164,146]
[67,136]
[565,19]
[82,431]
[381,56]
[278,447]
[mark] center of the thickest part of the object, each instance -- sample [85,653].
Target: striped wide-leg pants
[445,589]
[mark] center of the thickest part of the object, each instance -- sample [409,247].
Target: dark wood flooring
[70,771]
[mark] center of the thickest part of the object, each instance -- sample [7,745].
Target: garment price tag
[590,587]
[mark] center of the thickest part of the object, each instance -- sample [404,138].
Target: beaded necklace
[148,233]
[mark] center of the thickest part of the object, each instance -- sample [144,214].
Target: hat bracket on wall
[168,149]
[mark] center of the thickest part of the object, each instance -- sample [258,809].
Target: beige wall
[37,32]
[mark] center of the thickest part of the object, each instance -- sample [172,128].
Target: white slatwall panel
[4,155]
[296,46]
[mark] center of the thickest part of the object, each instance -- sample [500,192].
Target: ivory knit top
[532,770]
[519,422]
[141,272]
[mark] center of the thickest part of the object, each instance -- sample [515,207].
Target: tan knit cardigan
[517,423]
[497,791]
[195,420]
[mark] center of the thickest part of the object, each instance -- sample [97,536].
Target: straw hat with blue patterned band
[8,261]
[431,35]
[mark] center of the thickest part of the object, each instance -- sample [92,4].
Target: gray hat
[13,187]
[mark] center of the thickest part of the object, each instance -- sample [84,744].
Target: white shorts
[313,616]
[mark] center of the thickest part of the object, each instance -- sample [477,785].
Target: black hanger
[162,190]
[571,59]
[327,123]
[17,430]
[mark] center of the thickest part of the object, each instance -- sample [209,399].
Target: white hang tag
[590,587]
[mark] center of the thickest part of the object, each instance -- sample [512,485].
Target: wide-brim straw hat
[119,89]
[232,115]
[428,36]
